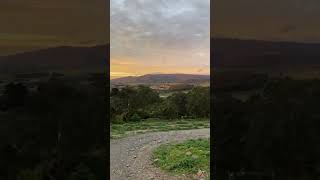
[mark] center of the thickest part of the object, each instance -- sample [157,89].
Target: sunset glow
[159,36]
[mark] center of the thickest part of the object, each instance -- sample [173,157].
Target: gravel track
[130,158]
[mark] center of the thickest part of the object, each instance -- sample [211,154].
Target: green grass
[155,125]
[184,158]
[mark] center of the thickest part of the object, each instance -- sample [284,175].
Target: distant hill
[162,78]
[236,53]
[66,59]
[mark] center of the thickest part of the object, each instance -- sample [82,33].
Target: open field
[165,94]
[155,125]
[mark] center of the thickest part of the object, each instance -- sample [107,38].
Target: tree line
[54,132]
[137,103]
[275,130]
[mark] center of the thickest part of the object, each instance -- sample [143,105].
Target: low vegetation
[191,157]
[154,125]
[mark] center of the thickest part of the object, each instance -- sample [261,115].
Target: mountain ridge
[241,53]
[162,78]
[225,53]
[61,58]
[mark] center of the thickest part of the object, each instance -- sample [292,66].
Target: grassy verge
[191,157]
[154,125]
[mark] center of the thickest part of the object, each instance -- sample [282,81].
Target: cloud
[161,23]
[288,28]
[285,20]
[161,32]
[123,61]
[42,23]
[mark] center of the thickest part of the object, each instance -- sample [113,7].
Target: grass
[155,125]
[184,158]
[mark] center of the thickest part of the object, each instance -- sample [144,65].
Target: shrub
[135,117]
[29,174]
[82,172]
[118,119]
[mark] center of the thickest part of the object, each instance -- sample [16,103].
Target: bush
[118,119]
[29,174]
[135,117]
[82,172]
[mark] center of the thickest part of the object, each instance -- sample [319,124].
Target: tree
[143,97]
[114,92]
[15,94]
[129,101]
[175,105]
[198,102]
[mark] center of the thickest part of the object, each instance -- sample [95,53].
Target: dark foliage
[53,132]
[132,104]
[276,130]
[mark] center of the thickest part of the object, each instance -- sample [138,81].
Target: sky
[159,36]
[153,36]
[276,20]
[35,24]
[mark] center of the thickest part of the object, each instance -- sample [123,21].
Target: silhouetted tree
[15,94]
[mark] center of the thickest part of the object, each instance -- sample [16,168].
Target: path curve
[130,158]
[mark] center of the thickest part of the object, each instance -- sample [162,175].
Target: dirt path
[130,158]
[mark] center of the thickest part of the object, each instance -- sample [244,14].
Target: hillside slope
[57,59]
[162,78]
[235,53]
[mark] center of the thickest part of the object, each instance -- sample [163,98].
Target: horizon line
[118,77]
